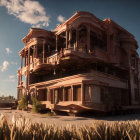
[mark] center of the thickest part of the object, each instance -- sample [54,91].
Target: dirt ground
[63,120]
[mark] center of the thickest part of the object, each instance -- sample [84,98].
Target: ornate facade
[83,64]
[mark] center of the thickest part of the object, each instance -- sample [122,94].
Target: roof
[33,30]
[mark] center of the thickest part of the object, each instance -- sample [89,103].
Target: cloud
[27,11]
[11,78]
[60,18]
[8,51]
[13,63]
[4,66]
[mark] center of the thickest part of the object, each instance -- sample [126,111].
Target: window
[68,96]
[77,93]
[42,95]
[133,61]
[89,92]
[135,79]
[60,94]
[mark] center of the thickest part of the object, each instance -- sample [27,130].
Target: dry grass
[24,129]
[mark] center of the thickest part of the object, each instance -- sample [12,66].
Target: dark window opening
[68,95]
[136,91]
[77,93]
[133,61]
[73,40]
[42,95]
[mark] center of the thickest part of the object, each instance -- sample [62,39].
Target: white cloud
[11,78]
[27,11]
[8,51]
[60,18]
[13,63]
[4,66]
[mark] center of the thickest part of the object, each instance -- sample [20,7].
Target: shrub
[36,105]
[23,103]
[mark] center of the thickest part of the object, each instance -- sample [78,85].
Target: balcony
[34,41]
[53,59]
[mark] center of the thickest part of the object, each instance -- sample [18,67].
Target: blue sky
[18,16]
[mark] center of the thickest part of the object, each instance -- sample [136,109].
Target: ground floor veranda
[81,92]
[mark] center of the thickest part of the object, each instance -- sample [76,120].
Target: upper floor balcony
[42,60]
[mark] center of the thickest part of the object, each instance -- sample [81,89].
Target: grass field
[24,129]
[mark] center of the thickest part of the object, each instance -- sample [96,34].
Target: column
[24,59]
[43,51]
[21,68]
[47,92]
[72,92]
[69,38]
[53,96]
[28,77]
[56,43]
[88,39]
[18,79]
[63,94]
[66,39]
[76,37]
[36,51]
[82,92]
[34,56]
